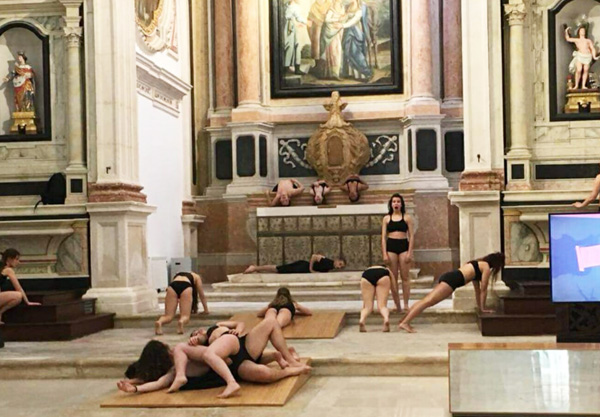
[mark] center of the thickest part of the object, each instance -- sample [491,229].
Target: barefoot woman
[10,299]
[375,282]
[478,271]
[283,308]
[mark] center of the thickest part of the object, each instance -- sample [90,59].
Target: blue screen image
[575,257]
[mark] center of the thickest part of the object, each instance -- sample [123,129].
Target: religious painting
[156,22]
[147,13]
[351,46]
[574,48]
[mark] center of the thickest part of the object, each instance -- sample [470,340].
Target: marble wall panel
[263,224]
[304,224]
[376,222]
[362,222]
[270,250]
[276,224]
[296,247]
[376,255]
[290,224]
[327,245]
[319,223]
[348,223]
[355,249]
[333,223]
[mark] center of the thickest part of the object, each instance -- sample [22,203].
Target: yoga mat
[321,325]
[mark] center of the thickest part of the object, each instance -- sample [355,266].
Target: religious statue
[23,81]
[337,149]
[583,54]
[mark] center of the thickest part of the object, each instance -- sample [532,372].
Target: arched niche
[23,36]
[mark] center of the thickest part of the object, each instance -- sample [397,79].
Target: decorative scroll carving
[382,150]
[289,149]
[337,149]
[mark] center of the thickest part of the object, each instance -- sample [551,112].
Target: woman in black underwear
[10,298]
[284,191]
[397,243]
[317,263]
[319,189]
[353,185]
[375,281]
[184,290]
[283,308]
[224,341]
[478,271]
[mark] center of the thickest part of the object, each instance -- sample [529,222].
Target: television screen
[575,257]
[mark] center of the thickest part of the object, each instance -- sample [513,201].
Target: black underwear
[454,279]
[373,275]
[298,267]
[397,246]
[180,286]
[240,357]
[288,306]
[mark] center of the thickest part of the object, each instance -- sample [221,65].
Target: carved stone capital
[515,13]
[73,36]
[113,192]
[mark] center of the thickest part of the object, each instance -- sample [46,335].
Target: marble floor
[320,397]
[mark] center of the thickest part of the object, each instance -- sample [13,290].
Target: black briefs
[298,267]
[180,286]
[453,278]
[287,306]
[397,246]
[241,356]
[373,275]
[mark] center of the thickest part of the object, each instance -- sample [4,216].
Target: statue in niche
[22,77]
[337,149]
[583,94]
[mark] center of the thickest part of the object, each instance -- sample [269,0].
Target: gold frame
[149,29]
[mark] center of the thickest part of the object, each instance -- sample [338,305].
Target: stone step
[341,276]
[420,282]
[301,296]
[50,313]
[498,324]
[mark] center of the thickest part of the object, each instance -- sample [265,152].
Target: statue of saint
[582,56]
[23,84]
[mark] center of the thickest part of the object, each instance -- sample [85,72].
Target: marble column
[248,52]
[519,155]
[76,170]
[117,207]
[223,54]
[452,53]
[420,50]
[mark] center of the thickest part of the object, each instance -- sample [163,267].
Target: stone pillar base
[125,301]
[464,297]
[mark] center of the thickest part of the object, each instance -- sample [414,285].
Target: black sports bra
[477,270]
[188,275]
[397,226]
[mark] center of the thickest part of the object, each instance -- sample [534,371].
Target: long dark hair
[495,261]
[282,298]
[6,255]
[154,362]
[402,208]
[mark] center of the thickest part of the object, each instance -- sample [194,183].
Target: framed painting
[352,46]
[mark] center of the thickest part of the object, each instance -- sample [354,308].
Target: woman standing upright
[397,244]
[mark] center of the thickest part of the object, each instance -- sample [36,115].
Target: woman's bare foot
[386,326]
[297,370]
[158,328]
[280,361]
[230,390]
[178,382]
[407,328]
[250,269]
[362,328]
[294,353]
[179,327]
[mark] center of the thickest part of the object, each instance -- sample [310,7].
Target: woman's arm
[200,291]
[304,311]
[237,327]
[411,236]
[485,280]
[262,312]
[592,196]
[10,273]
[163,382]
[395,290]
[314,258]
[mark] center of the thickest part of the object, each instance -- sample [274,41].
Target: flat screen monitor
[575,257]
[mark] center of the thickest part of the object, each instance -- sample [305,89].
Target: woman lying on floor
[245,352]
[317,263]
[184,289]
[478,271]
[283,308]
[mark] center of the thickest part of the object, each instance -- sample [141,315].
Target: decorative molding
[161,32]
[515,13]
[290,150]
[165,89]
[115,192]
[382,150]
[22,8]
[482,180]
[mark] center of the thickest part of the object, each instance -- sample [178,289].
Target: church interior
[299,207]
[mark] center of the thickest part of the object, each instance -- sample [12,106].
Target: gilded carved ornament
[515,13]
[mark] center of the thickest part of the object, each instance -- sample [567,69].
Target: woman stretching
[375,281]
[283,308]
[319,189]
[397,243]
[183,290]
[318,263]
[10,299]
[478,271]
[245,352]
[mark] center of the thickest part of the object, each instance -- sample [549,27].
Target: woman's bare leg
[259,336]
[404,267]
[394,265]
[185,309]
[284,317]
[261,268]
[253,372]
[439,293]
[215,355]
[8,300]
[367,291]
[189,361]
[383,291]
[170,309]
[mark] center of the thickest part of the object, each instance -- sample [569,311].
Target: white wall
[165,147]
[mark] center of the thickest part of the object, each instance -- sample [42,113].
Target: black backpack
[55,192]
